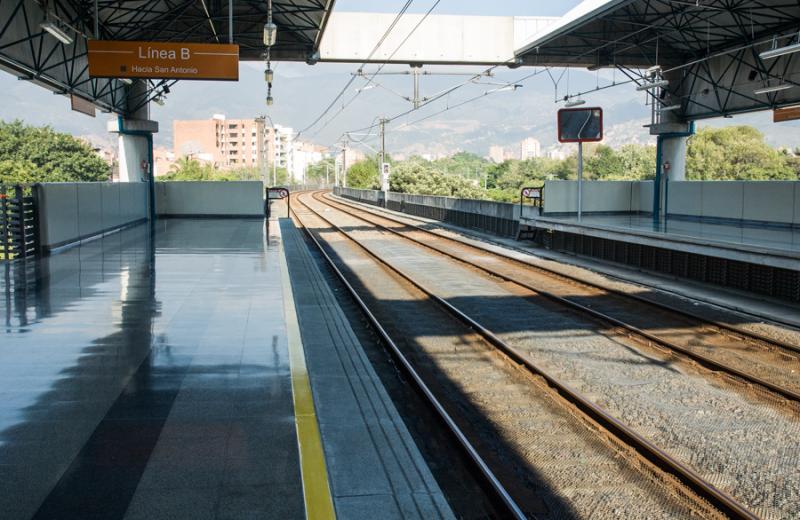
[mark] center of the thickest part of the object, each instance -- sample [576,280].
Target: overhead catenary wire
[501,86]
[352,78]
[385,62]
[483,94]
[430,100]
[614,83]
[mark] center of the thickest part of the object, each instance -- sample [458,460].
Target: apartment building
[530,148]
[226,143]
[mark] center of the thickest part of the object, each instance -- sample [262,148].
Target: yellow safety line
[316,491]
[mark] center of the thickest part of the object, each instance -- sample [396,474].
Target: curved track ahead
[770,363]
[659,458]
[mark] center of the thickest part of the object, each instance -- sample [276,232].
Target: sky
[302,92]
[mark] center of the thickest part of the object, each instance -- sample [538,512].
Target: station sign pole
[580,125]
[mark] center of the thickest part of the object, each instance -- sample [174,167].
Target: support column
[673,153]
[670,162]
[135,143]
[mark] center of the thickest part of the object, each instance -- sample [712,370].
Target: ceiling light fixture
[670,108]
[774,88]
[776,51]
[59,33]
[126,81]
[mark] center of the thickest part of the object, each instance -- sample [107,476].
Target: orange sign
[163,60]
[786,114]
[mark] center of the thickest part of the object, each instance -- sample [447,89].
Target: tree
[364,174]
[316,173]
[465,164]
[189,169]
[630,162]
[40,154]
[735,153]
[418,176]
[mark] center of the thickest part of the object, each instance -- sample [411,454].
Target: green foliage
[416,176]
[465,164]
[364,175]
[40,154]
[511,175]
[190,169]
[630,162]
[316,173]
[736,153]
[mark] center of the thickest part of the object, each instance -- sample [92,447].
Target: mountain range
[301,92]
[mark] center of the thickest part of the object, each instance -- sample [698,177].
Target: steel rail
[494,483]
[691,479]
[737,332]
[703,360]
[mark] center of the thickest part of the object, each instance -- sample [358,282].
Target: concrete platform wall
[69,212]
[208,198]
[496,217]
[776,202]
[743,202]
[598,196]
[772,202]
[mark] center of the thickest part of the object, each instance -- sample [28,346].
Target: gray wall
[237,199]
[773,202]
[72,211]
[756,201]
[598,196]
[496,217]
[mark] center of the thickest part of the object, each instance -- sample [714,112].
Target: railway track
[769,363]
[659,462]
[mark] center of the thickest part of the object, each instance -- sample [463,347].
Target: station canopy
[710,50]
[28,51]
[300,23]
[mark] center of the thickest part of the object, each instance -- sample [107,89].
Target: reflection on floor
[148,378]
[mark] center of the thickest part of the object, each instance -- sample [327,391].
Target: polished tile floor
[146,376]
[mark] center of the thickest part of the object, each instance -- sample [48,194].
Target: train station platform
[204,370]
[759,258]
[772,245]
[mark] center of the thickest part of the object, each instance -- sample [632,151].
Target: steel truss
[32,54]
[708,50]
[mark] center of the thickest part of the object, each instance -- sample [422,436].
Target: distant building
[557,154]
[164,159]
[530,148]
[496,153]
[282,147]
[303,155]
[226,143]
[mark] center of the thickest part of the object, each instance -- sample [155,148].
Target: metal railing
[18,222]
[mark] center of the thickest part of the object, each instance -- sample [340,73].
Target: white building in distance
[530,148]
